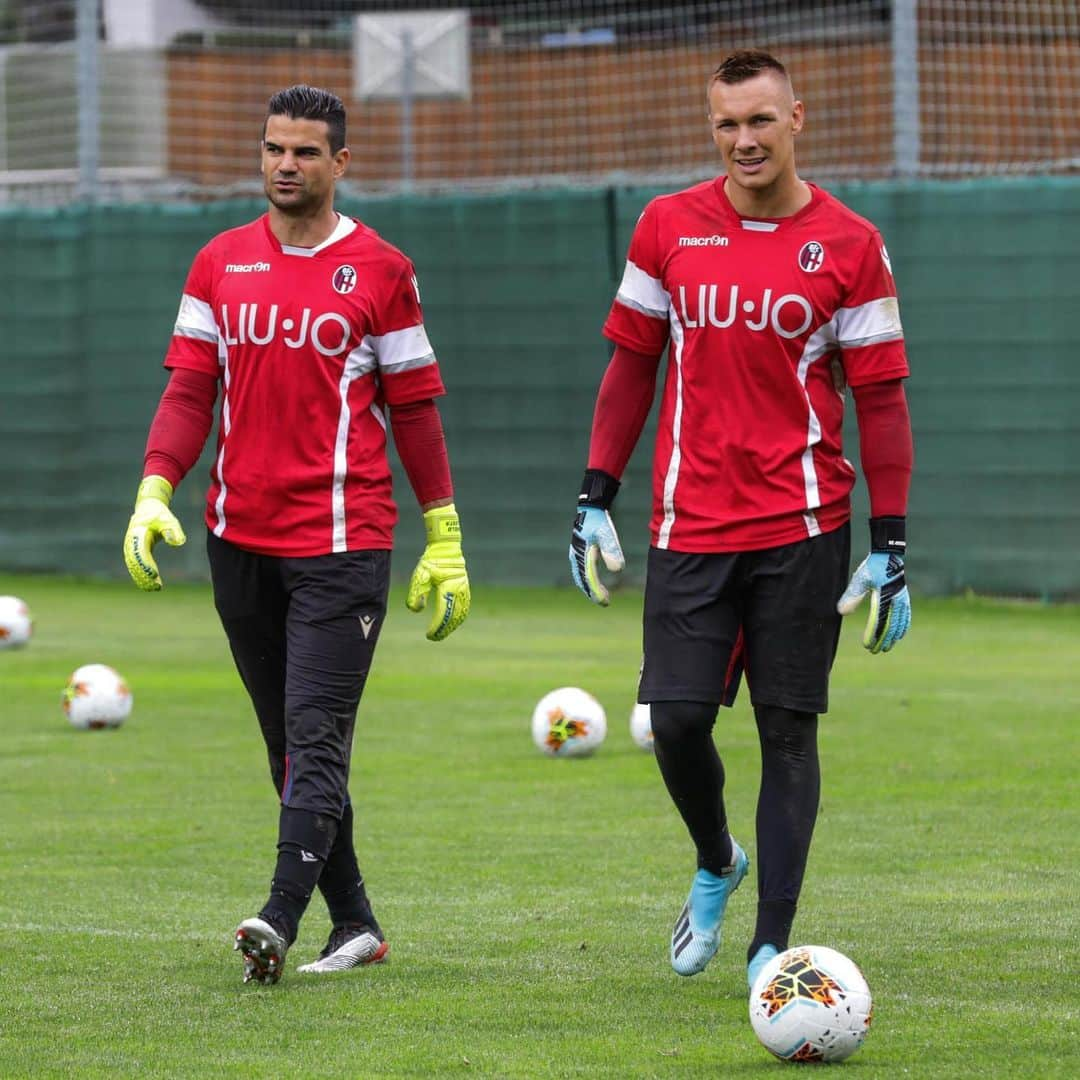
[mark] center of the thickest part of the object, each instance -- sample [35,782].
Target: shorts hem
[701,697]
[818,706]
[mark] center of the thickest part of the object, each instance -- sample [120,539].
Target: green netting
[515,290]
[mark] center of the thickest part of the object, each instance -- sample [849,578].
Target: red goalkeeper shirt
[749,448]
[310,344]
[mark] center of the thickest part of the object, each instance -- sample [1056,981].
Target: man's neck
[306,232]
[778,200]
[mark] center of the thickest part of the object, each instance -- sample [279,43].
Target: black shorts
[302,633]
[771,613]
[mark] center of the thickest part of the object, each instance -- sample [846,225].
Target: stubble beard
[298,203]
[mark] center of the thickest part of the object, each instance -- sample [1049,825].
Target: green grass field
[528,901]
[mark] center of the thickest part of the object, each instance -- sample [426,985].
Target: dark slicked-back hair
[310,103]
[746,64]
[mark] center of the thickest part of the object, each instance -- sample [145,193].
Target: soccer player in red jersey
[770,296]
[310,324]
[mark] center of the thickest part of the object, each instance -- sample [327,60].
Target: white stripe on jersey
[359,362]
[219,502]
[643,293]
[226,427]
[355,366]
[195,319]
[671,477]
[362,358]
[868,324]
[402,350]
[820,342]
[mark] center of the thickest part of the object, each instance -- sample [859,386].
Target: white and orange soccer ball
[811,1003]
[16,623]
[568,722]
[96,697]
[641,726]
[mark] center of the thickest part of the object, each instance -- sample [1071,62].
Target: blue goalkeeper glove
[593,536]
[881,574]
[441,569]
[151,521]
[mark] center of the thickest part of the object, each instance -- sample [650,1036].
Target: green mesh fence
[515,291]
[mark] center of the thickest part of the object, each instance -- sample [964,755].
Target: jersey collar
[763,224]
[344,227]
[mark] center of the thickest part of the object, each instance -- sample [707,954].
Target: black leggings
[302,632]
[694,775]
[787,801]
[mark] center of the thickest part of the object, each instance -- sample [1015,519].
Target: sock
[774,919]
[694,775]
[304,840]
[786,813]
[342,884]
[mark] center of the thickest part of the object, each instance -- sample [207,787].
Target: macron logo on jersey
[703,241]
[247,268]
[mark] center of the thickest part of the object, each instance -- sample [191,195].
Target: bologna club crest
[344,280]
[811,256]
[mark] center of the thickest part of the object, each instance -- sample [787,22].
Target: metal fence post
[408,90]
[86,89]
[905,65]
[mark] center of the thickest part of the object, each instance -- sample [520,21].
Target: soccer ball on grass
[96,697]
[811,1003]
[568,722]
[16,623]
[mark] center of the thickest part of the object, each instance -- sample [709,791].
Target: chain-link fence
[136,99]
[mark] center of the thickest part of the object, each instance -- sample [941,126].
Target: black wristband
[598,489]
[888,534]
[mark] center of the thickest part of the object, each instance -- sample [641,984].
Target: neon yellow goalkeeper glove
[151,521]
[442,568]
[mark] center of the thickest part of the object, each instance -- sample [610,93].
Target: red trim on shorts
[735,667]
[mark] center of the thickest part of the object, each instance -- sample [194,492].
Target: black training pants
[302,633]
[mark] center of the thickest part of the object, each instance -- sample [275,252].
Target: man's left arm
[887,455]
[421,446]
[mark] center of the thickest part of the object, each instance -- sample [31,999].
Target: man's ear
[798,115]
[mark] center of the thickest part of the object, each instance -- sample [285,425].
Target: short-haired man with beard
[311,325]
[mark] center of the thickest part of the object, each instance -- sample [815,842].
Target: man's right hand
[593,536]
[152,520]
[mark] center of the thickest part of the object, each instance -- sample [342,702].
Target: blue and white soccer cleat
[757,963]
[263,949]
[696,936]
